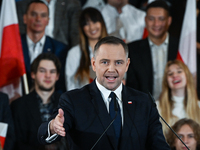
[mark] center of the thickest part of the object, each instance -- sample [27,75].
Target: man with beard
[31,110]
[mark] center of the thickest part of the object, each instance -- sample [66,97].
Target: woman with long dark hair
[78,69]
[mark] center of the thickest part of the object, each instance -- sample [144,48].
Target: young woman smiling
[178,98]
[78,71]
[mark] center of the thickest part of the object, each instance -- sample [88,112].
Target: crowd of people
[76,54]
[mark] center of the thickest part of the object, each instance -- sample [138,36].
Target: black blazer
[27,119]
[86,118]
[6,117]
[140,72]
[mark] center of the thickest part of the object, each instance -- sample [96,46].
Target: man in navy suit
[84,114]
[35,41]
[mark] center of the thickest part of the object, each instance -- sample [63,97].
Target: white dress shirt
[131,18]
[105,93]
[35,49]
[159,55]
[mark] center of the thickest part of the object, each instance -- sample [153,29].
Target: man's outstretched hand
[56,125]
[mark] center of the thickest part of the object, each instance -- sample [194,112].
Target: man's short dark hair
[111,40]
[46,56]
[36,1]
[159,3]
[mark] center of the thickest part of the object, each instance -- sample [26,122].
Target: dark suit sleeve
[6,117]
[155,137]
[66,106]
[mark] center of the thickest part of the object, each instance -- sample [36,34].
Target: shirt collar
[31,43]
[105,92]
[165,42]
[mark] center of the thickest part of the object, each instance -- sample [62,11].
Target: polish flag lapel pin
[129,102]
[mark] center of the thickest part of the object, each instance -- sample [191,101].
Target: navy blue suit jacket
[140,71]
[86,118]
[52,46]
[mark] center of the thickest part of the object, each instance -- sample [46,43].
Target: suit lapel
[102,113]
[129,108]
[48,47]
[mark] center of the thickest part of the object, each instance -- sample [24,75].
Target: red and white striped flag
[3,132]
[11,55]
[187,45]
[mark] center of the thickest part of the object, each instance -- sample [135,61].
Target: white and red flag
[187,44]
[3,132]
[11,55]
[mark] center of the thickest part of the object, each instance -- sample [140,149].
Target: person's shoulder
[74,49]
[55,42]
[83,90]
[21,101]
[137,42]
[107,8]
[134,46]
[3,96]
[74,53]
[4,99]
[134,92]
[77,93]
[135,10]
[138,96]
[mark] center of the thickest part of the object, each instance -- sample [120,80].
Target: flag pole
[25,84]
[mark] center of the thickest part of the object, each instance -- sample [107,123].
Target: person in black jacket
[31,110]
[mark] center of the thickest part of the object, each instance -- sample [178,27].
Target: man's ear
[93,64]
[32,75]
[58,75]
[169,20]
[127,64]
[25,18]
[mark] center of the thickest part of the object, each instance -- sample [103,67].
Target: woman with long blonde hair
[78,71]
[178,98]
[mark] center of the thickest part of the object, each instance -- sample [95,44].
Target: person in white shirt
[78,71]
[178,98]
[124,20]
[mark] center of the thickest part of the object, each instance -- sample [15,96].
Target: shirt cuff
[50,137]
